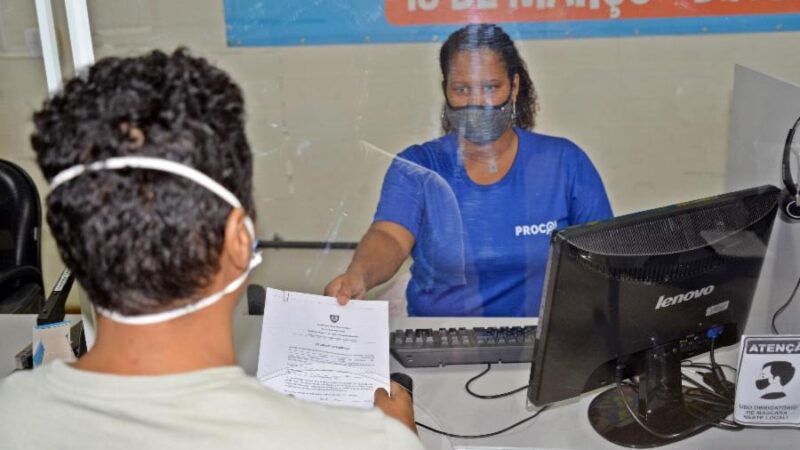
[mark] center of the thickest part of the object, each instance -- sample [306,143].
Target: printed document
[317,350]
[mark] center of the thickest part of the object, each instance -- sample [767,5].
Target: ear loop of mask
[165,165]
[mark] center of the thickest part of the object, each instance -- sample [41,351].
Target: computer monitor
[630,297]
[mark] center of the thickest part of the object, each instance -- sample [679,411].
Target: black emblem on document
[334,318]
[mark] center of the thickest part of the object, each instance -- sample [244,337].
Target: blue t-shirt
[481,250]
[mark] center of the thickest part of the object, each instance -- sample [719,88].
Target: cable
[719,396]
[635,416]
[711,354]
[492,396]
[722,424]
[485,435]
[706,366]
[481,396]
[480,436]
[713,408]
[710,405]
[719,380]
[785,305]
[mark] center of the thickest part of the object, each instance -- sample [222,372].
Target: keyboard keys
[425,347]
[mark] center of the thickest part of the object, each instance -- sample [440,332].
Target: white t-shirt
[58,406]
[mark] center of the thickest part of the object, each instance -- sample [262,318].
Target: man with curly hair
[150,205]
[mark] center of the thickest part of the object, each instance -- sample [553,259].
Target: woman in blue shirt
[475,208]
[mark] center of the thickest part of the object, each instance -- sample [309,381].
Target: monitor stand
[659,402]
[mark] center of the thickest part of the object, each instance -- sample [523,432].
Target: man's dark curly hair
[142,241]
[489,36]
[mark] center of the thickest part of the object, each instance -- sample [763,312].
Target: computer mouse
[404,380]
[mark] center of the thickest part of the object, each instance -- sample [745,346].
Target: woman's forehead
[476,64]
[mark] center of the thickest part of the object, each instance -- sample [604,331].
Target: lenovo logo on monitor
[664,302]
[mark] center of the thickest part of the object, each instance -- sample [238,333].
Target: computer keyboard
[425,347]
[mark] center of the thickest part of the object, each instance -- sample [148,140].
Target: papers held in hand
[317,350]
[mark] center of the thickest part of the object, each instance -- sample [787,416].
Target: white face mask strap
[149,319]
[164,165]
[146,162]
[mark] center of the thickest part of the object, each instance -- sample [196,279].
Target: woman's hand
[379,254]
[347,286]
[399,406]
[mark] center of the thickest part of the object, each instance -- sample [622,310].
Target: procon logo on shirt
[533,230]
[663,302]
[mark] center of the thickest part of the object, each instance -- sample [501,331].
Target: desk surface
[441,402]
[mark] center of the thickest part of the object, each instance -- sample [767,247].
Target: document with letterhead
[314,349]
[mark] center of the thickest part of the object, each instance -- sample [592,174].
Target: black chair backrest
[20,226]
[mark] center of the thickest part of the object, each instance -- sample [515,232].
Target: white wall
[652,113]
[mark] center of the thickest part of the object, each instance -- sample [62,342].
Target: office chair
[21,285]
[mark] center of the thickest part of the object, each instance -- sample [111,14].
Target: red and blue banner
[320,22]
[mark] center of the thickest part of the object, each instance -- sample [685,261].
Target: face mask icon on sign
[774,376]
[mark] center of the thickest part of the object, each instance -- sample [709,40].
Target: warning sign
[768,384]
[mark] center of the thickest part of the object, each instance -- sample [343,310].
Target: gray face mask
[480,124]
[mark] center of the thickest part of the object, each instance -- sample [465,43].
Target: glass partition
[336,90]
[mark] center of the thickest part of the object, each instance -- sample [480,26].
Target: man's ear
[238,243]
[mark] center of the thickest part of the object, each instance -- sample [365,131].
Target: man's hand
[399,406]
[347,286]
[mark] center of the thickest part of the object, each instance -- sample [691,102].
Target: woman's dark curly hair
[142,241]
[489,36]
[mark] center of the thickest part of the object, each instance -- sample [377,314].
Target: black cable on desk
[635,416]
[480,436]
[719,396]
[717,399]
[785,305]
[491,396]
[706,366]
[719,375]
[484,397]
[719,402]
